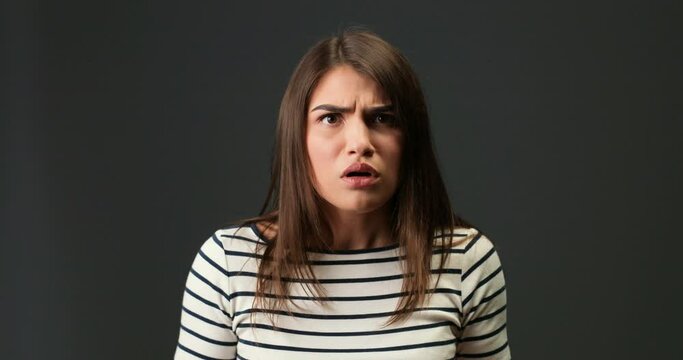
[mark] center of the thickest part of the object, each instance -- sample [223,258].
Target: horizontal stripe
[323,262]
[484,336]
[213,263]
[488,298]
[243,254]
[348,333]
[206,320]
[484,354]
[262,241]
[328,262]
[341,316]
[201,356]
[237,237]
[441,236]
[342,280]
[460,251]
[361,350]
[446,271]
[487,316]
[207,339]
[327,281]
[207,302]
[207,282]
[346,298]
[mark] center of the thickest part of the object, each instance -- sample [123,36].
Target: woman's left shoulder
[469,243]
[462,238]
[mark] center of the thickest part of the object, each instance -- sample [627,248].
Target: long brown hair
[420,206]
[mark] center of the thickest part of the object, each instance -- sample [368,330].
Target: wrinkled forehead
[346,87]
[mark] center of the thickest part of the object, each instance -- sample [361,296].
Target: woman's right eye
[329,119]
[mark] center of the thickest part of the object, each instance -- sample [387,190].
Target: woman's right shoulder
[237,238]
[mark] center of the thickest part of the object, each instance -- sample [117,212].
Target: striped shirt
[464,318]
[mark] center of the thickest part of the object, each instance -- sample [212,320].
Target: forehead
[343,85]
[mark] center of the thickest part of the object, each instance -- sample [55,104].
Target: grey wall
[132,130]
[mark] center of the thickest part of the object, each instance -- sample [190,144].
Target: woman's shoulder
[458,237]
[467,242]
[474,254]
[238,238]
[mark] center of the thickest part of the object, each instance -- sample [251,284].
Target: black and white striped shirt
[464,318]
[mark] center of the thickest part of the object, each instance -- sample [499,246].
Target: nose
[358,138]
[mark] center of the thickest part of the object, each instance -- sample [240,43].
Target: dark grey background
[131,131]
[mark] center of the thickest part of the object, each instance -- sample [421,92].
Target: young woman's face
[353,144]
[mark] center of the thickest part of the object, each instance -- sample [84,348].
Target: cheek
[321,156]
[393,153]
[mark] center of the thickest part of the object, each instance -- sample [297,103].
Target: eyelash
[390,119]
[330,115]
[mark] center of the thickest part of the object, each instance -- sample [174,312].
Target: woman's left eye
[386,119]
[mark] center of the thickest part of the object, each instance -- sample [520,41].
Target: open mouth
[358,174]
[361,170]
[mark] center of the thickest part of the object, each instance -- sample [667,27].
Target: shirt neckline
[392,246]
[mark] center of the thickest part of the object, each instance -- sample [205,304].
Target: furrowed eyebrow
[340,109]
[381,108]
[329,107]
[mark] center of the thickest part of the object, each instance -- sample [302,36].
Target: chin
[358,207]
[359,210]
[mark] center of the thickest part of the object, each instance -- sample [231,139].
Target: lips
[360,175]
[360,170]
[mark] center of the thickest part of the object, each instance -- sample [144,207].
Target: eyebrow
[340,109]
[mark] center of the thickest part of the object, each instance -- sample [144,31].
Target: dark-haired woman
[357,253]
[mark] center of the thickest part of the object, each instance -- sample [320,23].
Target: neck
[354,231]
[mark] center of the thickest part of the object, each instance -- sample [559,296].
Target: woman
[357,253]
